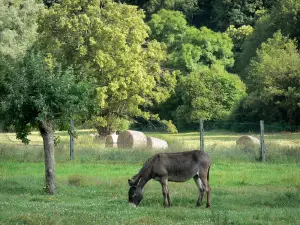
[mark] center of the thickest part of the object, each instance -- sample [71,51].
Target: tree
[202,57]
[238,12]
[43,95]
[284,16]
[214,48]
[274,82]
[169,27]
[189,47]
[262,31]
[49,3]
[238,36]
[18,25]
[209,93]
[108,43]
[188,7]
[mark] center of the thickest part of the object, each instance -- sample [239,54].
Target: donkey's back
[181,166]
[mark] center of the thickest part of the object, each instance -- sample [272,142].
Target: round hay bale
[156,143]
[248,141]
[111,141]
[95,135]
[132,139]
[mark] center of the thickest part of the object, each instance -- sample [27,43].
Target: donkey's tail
[208,190]
[208,174]
[136,178]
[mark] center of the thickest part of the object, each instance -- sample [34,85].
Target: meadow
[93,188]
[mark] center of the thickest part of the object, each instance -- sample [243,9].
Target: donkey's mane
[136,178]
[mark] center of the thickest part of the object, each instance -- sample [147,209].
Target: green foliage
[216,48]
[108,44]
[49,3]
[169,126]
[196,53]
[237,12]
[262,31]
[168,26]
[40,94]
[18,31]
[284,17]
[130,61]
[238,36]
[273,82]
[208,94]
[188,46]
[18,25]
[188,7]
[113,123]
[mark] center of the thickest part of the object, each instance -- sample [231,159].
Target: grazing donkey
[177,167]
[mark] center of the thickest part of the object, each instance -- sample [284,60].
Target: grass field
[93,188]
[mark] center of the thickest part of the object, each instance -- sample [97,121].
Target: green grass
[242,193]
[93,188]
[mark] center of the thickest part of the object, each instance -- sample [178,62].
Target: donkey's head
[135,194]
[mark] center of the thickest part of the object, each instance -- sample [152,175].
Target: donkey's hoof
[207,205]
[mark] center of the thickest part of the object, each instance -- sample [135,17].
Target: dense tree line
[133,62]
[157,61]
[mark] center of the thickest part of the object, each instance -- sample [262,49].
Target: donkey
[176,167]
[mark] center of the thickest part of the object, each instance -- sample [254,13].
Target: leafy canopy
[209,93]
[202,56]
[238,12]
[108,44]
[274,82]
[284,16]
[188,7]
[41,94]
[18,25]
[238,36]
[188,46]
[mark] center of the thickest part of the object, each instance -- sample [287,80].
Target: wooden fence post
[201,135]
[71,139]
[262,142]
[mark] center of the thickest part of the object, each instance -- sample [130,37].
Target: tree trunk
[47,133]
[104,131]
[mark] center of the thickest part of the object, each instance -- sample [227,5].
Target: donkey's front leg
[165,191]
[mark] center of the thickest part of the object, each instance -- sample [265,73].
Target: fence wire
[282,142]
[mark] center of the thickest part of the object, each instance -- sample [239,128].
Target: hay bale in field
[95,135]
[132,139]
[248,141]
[111,141]
[156,143]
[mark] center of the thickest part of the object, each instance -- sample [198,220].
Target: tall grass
[221,147]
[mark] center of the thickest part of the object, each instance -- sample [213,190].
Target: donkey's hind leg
[201,189]
[205,182]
